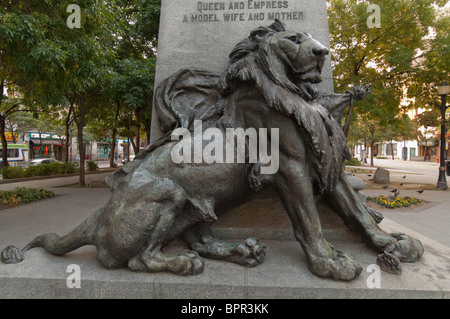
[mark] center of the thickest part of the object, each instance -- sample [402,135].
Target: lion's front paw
[188,262]
[390,263]
[183,263]
[338,266]
[406,248]
[250,253]
[360,92]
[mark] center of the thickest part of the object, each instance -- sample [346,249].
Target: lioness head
[290,59]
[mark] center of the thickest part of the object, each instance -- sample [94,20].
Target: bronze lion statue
[270,83]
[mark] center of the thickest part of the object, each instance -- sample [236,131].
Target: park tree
[136,66]
[430,122]
[137,95]
[433,62]
[9,105]
[431,118]
[56,53]
[124,105]
[395,45]
[369,131]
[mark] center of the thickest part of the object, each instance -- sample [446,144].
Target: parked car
[125,160]
[38,161]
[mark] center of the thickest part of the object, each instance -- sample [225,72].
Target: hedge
[353,162]
[40,170]
[24,195]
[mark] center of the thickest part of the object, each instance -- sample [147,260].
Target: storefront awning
[36,141]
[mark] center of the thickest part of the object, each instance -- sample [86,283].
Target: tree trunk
[2,130]
[4,142]
[392,150]
[114,134]
[82,181]
[79,120]
[137,146]
[133,144]
[371,154]
[40,144]
[66,145]
[128,148]
[113,149]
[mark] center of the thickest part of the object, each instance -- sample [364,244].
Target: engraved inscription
[210,11]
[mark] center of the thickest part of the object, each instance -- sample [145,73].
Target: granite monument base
[264,217]
[283,274]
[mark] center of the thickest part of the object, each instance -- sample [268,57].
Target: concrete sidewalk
[415,171]
[283,274]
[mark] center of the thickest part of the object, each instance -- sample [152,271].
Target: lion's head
[283,67]
[290,59]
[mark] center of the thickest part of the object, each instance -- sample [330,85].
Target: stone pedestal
[264,217]
[283,274]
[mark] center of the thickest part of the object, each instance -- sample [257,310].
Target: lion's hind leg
[249,253]
[139,230]
[152,259]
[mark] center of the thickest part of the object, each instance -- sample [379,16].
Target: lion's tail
[83,234]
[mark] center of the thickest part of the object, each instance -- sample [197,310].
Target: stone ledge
[339,234]
[283,274]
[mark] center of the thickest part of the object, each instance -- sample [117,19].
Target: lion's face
[303,56]
[295,61]
[291,60]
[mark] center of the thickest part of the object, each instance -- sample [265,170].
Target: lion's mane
[249,62]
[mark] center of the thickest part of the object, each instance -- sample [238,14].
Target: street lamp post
[443,90]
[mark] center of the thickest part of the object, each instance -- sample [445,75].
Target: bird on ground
[401,184]
[385,186]
[395,194]
[420,191]
[369,175]
[394,190]
[404,176]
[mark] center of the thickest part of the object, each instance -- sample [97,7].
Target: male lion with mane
[270,83]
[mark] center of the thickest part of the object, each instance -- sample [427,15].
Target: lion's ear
[278,26]
[260,33]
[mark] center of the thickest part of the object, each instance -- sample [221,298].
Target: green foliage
[108,62]
[353,162]
[12,172]
[40,170]
[368,131]
[24,195]
[400,58]
[91,166]
[431,118]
